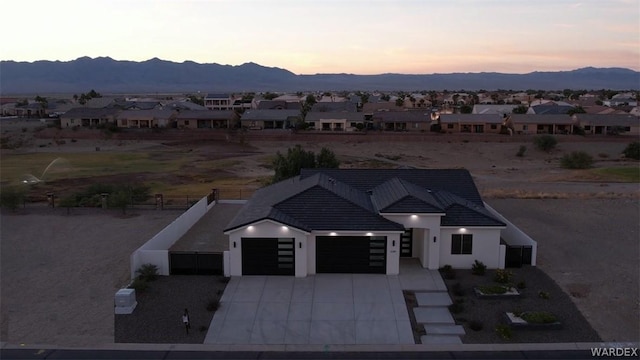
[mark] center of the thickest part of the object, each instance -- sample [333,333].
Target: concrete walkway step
[433,315]
[433,299]
[440,339]
[432,329]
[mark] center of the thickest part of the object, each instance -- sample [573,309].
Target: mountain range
[107,75]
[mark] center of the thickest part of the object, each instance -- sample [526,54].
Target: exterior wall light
[393,243]
[234,244]
[300,245]
[434,239]
[414,217]
[369,234]
[250,227]
[332,234]
[285,228]
[463,230]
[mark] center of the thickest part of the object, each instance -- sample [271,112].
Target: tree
[632,151]
[93,94]
[196,99]
[120,199]
[326,159]
[297,158]
[466,109]
[309,101]
[269,96]
[577,110]
[400,102]
[520,109]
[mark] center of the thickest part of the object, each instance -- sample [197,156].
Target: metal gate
[195,263]
[516,256]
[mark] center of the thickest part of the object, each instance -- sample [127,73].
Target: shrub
[147,272]
[544,295]
[576,160]
[457,289]
[448,272]
[521,151]
[478,268]
[502,276]
[10,197]
[213,305]
[632,151]
[475,325]
[539,317]
[522,285]
[545,142]
[456,308]
[504,331]
[139,285]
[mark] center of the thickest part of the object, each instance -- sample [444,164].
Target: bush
[632,151]
[521,151]
[139,285]
[545,142]
[456,308]
[11,197]
[457,289]
[539,317]
[147,272]
[544,295]
[475,325]
[576,160]
[478,268]
[448,272]
[213,305]
[504,331]
[502,276]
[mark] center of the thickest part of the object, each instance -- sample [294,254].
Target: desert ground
[59,272]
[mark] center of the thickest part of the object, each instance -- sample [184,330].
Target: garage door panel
[351,254]
[268,256]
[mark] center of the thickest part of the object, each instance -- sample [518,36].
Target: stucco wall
[485,248]
[428,252]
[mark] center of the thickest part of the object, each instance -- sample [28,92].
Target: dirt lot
[59,273]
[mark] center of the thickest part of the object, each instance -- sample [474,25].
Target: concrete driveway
[318,309]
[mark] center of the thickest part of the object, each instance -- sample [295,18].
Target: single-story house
[504,109]
[206,119]
[403,120]
[471,123]
[364,221]
[146,118]
[278,105]
[550,108]
[88,117]
[338,106]
[269,119]
[334,121]
[541,124]
[609,124]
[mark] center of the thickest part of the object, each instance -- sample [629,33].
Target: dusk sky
[331,36]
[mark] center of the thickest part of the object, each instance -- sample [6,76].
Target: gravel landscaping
[158,316]
[490,312]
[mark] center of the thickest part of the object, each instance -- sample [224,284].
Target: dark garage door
[351,254]
[268,256]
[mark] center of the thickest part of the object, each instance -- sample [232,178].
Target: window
[461,244]
[186,122]
[449,126]
[494,126]
[525,127]
[587,127]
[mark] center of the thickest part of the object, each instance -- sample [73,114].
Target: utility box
[125,300]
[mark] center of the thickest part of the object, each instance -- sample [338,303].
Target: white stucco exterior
[485,248]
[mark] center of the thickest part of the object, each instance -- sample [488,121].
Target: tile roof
[206,114]
[146,114]
[95,113]
[471,118]
[334,107]
[217,96]
[353,199]
[542,119]
[608,119]
[408,116]
[256,115]
[348,116]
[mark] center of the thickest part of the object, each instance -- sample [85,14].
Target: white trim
[414,213]
[244,227]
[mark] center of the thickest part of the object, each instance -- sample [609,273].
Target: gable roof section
[206,114]
[400,196]
[471,118]
[348,116]
[94,113]
[317,202]
[455,181]
[461,212]
[542,119]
